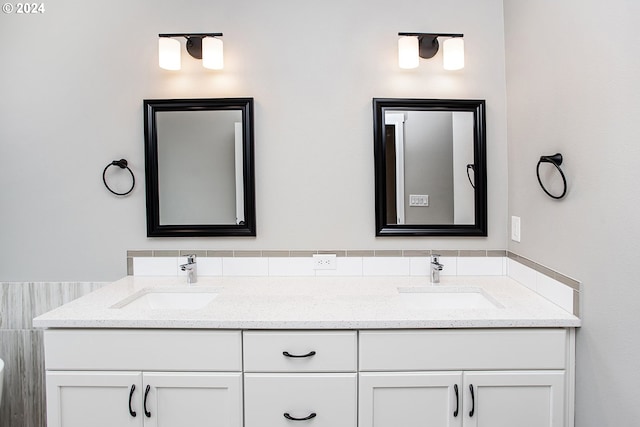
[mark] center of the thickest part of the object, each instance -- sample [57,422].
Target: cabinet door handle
[455,389]
[311,353]
[473,401]
[308,417]
[131,411]
[146,393]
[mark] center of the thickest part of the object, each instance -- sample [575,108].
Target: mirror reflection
[429,157]
[200,167]
[199,164]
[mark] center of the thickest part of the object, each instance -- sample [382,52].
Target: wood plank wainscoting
[21,347]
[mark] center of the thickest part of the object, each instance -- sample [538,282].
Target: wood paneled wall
[23,397]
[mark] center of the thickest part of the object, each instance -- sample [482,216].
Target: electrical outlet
[515,228]
[324,262]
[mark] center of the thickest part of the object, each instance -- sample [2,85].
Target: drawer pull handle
[308,417]
[146,393]
[455,389]
[473,401]
[311,353]
[131,411]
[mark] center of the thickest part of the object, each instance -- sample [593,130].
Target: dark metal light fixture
[412,46]
[205,46]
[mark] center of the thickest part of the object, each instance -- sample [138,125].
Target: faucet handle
[191,258]
[435,258]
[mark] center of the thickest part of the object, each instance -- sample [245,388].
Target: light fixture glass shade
[169,53]
[453,54]
[408,52]
[212,53]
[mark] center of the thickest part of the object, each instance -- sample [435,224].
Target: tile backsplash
[303,266]
[556,287]
[298,262]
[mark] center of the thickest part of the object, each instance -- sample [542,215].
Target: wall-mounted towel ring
[555,160]
[123,164]
[473,168]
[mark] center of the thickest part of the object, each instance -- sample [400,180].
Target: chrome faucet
[436,268]
[191,267]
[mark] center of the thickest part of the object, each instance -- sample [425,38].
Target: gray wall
[573,87]
[73,81]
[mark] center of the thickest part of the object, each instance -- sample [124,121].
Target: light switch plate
[418,200]
[515,228]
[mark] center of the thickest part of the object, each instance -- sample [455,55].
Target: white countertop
[310,303]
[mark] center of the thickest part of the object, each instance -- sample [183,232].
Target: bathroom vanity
[339,352]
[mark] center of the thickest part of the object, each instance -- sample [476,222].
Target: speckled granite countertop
[310,303]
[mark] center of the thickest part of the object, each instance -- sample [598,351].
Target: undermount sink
[446,298]
[169,299]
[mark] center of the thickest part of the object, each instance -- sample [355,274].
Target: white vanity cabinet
[106,378]
[466,378]
[409,399]
[78,399]
[323,378]
[300,377]
[507,398]
[106,398]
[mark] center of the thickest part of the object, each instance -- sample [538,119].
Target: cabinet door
[310,399]
[514,398]
[411,399]
[96,399]
[194,399]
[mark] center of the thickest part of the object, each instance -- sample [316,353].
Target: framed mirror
[199,159]
[430,167]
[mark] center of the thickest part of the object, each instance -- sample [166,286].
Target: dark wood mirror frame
[154,228]
[477,107]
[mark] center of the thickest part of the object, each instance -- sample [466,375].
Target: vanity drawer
[331,397]
[463,349]
[292,351]
[137,349]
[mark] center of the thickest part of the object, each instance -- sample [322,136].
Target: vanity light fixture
[205,46]
[413,46]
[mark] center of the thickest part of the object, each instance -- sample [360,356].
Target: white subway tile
[419,266]
[345,266]
[385,266]
[249,266]
[207,266]
[158,266]
[286,266]
[450,266]
[554,291]
[480,266]
[522,274]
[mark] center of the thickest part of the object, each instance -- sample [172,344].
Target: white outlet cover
[515,228]
[324,262]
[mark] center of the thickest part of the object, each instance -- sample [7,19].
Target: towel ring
[123,164]
[555,160]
